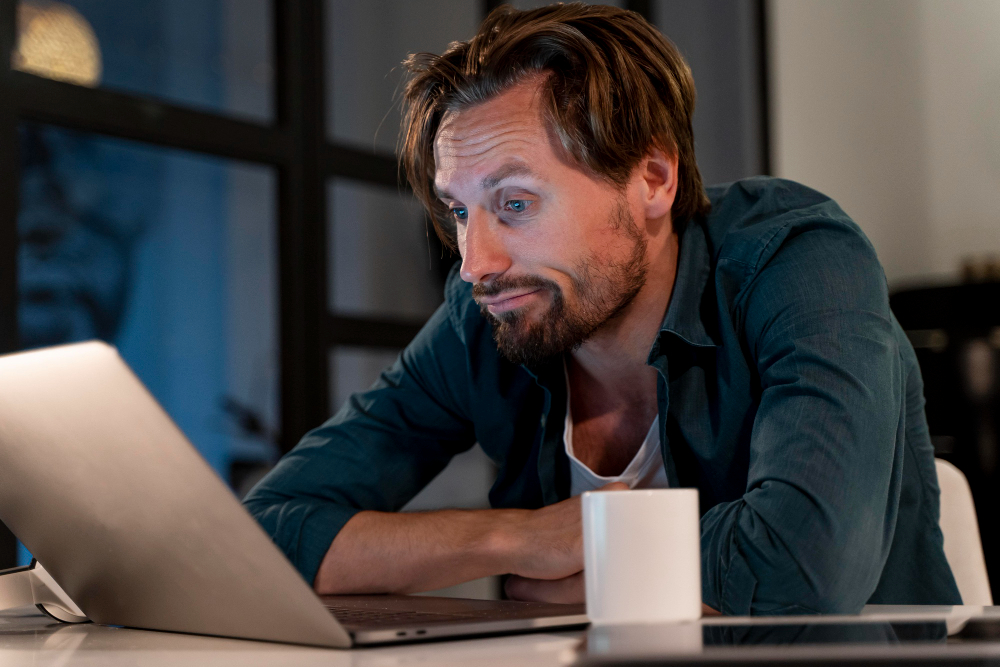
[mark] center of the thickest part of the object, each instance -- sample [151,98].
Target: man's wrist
[502,544]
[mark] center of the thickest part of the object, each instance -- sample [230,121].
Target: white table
[30,638]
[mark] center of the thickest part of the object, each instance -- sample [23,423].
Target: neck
[615,356]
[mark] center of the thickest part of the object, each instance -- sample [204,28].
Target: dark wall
[722,41]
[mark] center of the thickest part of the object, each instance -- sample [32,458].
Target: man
[610,323]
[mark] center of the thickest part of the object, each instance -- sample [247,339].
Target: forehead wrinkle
[452,152]
[475,147]
[467,139]
[465,126]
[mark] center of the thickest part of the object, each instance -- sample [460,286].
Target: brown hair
[616,88]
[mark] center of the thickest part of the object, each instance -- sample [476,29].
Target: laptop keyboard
[349,616]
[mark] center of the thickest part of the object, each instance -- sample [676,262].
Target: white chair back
[962,545]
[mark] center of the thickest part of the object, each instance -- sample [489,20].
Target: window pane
[366,44]
[354,369]
[171,257]
[382,260]
[214,54]
[721,42]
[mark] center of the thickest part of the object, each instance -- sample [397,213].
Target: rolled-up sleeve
[376,453]
[813,530]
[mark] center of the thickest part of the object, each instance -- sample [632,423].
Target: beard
[603,287]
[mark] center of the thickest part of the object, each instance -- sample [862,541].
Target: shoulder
[782,251]
[760,222]
[752,219]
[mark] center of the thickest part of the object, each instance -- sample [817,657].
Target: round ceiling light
[57,42]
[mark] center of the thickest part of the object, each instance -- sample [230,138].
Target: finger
[564,591]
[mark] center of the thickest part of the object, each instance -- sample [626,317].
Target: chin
[524,317]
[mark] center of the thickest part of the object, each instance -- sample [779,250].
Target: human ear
[658,172]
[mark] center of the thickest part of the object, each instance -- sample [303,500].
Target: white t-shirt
[645,471]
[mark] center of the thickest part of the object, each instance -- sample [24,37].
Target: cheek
[564,241]
[536,253]
[460,240]
[554,257]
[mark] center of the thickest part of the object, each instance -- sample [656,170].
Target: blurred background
[211,186]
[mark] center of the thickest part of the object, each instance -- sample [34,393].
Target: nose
[481,246]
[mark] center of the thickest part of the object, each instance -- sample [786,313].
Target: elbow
[832,600]
[836,582]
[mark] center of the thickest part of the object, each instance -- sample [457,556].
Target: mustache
[505,284]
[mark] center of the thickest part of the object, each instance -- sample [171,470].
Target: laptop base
[385,619]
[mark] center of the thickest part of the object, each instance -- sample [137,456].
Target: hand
[549,541]
[568,590]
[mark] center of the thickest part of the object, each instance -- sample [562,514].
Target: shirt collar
[683,319]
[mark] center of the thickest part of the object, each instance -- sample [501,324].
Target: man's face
[553,252]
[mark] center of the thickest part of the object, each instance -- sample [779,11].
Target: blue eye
[460,213]
[517,205]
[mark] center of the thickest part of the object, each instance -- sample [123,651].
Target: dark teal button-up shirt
[788,395]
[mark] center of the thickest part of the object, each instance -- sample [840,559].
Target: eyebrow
[504,172]
[499,175]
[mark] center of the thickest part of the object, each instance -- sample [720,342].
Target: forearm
[381,552]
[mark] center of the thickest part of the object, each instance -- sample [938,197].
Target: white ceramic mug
[642,556]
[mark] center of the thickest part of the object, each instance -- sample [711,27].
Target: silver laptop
[130,521]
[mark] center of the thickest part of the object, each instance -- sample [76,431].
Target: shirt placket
[553,466]
[662,405]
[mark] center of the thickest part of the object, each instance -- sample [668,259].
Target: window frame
[295,144]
